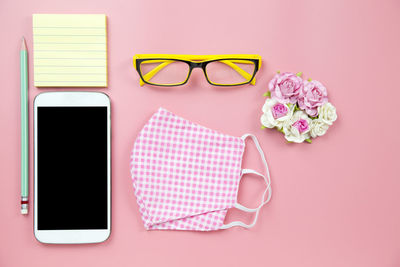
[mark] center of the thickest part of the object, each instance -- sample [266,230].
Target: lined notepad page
[70,50]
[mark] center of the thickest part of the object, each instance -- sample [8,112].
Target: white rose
[297,128]
[318,128]
[275,113]
[327,113]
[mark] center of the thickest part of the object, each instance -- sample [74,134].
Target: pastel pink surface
[335,202]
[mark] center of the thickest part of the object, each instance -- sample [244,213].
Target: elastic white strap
[265,198]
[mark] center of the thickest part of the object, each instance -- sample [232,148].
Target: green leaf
[263,127]
[278,71]
[267,94]
[299,74]
[308,140]
[309,79]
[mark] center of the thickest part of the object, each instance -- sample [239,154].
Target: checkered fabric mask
[186,176]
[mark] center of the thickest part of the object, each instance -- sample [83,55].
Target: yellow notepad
[70,50]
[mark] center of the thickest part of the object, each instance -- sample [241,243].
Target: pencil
[24,129]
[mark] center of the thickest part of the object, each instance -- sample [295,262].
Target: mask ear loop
[266,195]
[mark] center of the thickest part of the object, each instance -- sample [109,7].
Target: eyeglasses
[175,70]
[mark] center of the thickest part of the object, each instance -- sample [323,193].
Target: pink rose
[312,95]
[285,87]
[279,110]
[301,125]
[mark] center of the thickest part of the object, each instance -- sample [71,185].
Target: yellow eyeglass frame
[196,61]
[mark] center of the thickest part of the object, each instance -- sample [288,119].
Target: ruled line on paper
[63,66]
[55,50]
[66,27]
[64,43]
[52,35]
[44,73]
[66,81]
[62,58]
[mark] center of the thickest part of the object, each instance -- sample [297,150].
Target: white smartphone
[72,167]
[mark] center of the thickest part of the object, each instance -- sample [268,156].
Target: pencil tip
[23,46]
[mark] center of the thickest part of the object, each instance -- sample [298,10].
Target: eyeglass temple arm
[239,70]
[154,71]
[165,63]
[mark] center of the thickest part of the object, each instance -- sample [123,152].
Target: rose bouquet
[298,108]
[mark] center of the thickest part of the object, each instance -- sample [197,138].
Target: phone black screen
[72,168]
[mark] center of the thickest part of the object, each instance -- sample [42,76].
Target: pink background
[335,202]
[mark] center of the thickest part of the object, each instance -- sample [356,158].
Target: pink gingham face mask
[186,176]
